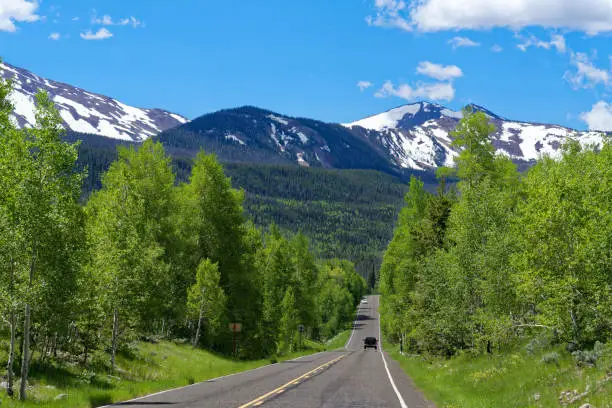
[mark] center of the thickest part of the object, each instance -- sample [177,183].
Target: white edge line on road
[205,381]
[353,331]
[382,353]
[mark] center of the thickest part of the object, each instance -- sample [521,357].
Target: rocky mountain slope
[416,136]
[84,111]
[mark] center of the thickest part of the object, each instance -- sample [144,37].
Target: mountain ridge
[408,138]
[84,111]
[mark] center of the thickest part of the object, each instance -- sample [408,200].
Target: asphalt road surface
[347,378]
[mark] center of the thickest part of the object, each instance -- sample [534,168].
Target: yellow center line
[260,400]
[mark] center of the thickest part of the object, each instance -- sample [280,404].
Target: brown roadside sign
[235,327]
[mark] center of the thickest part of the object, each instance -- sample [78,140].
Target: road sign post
[235,328]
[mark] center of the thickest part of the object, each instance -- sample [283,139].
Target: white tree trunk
[13,328]
[11,356]
[114,340]
[26,354]
[25,363]
[196,340]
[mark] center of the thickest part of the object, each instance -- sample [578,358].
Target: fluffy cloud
[435,92]
[497,48]
[363,85]
[440,72]
[590,16]
[101,34]
[599,117]
[457,42]
[54,36]
[556,41]
[587,75]
[388,15]
[12,11]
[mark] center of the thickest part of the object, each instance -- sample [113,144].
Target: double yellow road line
[258,401]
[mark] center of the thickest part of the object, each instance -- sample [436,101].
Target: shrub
[551,358]
[589,357]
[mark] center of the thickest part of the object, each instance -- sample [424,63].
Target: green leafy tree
[564,226]
[43,211]
[220,235]
[128,226]
[12,152]
[206,299]
[288,321]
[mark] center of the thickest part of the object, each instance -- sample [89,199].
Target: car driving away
[370,342]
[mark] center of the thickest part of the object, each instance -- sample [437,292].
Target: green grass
[339,340]
[512,379]
[153,368]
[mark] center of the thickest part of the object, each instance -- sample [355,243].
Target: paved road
[347,378]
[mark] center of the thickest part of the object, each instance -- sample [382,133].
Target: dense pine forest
[145,257]
[505,259]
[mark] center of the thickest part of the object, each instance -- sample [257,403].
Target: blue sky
[537,60]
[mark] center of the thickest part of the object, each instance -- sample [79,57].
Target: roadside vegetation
[144,259]
[147,368]
[505,260]
[547,376]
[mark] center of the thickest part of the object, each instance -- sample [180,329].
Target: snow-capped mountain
[254,135]
[416,136]
[86,112]
[409,138]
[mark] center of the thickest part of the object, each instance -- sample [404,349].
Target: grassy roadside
[152,368]
[339,340]
[513,379]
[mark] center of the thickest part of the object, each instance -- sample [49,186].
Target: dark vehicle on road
[370,342]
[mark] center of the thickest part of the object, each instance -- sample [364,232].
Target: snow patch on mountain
[278,119]
[83,111]
[235,139]
[417,136]
[386,120]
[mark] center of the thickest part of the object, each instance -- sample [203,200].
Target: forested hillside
[348,213]
[145,257]
[506,260]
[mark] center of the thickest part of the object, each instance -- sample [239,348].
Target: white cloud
[556,41]
[364,85]
[497,48]
[457,42]
[101,34]
[587,75]
[133,21]
[75,18]
[599,117]
[437,91]
[590,16]
[108,21]
[105,20]
[388,15]
[12,11]
[54,36]
[440,72]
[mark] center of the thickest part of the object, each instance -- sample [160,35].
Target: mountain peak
[477,108]
[83,111]
[405,116]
